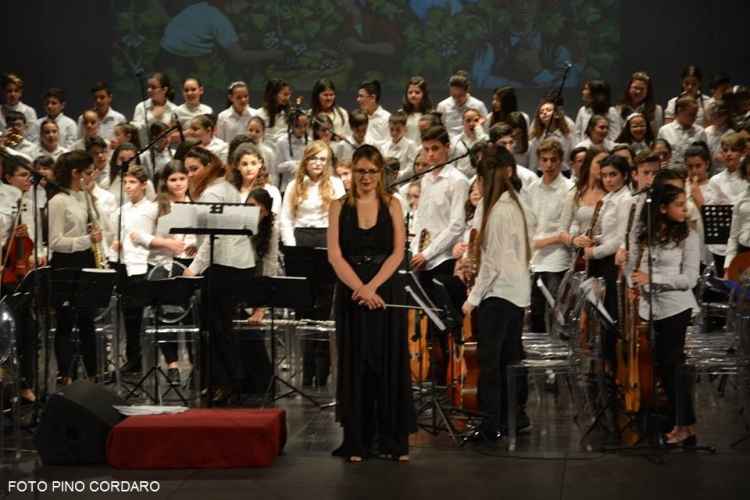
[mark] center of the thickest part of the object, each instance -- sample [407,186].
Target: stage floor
[548,464]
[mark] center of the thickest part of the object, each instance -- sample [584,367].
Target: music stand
[155,294]
[81,289]
[312,263]
[717,222]
[272,292]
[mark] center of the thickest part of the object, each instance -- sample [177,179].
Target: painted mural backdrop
[525,43]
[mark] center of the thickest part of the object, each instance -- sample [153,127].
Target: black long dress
[373,385]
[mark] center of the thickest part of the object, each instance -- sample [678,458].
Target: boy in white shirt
[359,123]
[683,131]
[17,120]
[54,104]
[131,259]
[108,117]
[399,147]
[368,98]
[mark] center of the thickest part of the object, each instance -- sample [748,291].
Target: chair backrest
[742,319]
[568,295]
[586,328]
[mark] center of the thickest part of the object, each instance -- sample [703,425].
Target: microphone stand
[139,75]
[557,99]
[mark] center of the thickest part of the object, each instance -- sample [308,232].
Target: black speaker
[75,424]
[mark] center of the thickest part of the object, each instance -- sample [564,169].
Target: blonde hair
[325,187]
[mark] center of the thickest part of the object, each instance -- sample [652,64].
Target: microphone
[179,126]
[139,72]
[568,64]
[642,190]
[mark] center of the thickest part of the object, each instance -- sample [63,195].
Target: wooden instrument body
[19,249]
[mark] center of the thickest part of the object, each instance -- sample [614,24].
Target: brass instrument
[424,239]
[11,138]
[100,257]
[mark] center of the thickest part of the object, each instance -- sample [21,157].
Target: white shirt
[140,117]
[340,118]
[724,188]
[106,125]
[106,201]
[344,149]
[453,115]
[412,127]
[404,150]
[230,124]
[54,154]
[146,232]
[68,223]
[504,271]
[441,211]
[377,125]
[713,139]
[613,222]
[273,192]
[582,122]
[680,138]
[279,128]
[114,188]
[219,148]
[545,202]
[310,212]
[675,273]
[232,251]
[587,143]
[67,130]
[162,158]
[29,149]
[656,123]
[133,256]
[185,113]
[462,144]
[527,178]
[575,221]
[739,234]
[289,151]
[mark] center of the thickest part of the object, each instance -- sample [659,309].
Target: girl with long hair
[416,102]
[250,173]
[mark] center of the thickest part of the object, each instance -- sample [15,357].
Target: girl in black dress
[365,247]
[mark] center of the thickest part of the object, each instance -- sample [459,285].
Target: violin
[19,249]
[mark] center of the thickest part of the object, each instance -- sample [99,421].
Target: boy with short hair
[132,260]
[17,120]
[399,146]
[108,117]
[54,104]
[683,131]
[368,98]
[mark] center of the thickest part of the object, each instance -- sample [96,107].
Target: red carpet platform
[198,439]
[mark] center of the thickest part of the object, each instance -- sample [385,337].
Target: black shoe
[484,434]
[131,367]
[173,376]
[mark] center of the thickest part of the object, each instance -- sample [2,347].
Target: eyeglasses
[505,144]
[363,96]
[24,175]
[318,159]
[362,173]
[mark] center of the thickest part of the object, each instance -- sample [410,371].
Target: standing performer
[74,239]
[365,247]
[211,182]
[675,252]
[502,289]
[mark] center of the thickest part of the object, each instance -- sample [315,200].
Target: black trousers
[67,317]
[441,271]
[670,352]
[500,324]
[132,316]
[223,354]
[539,304]
[606,268]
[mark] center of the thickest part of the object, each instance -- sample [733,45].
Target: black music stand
[155,294]
[272,292]
[717,222]
[81,289]
[312,263]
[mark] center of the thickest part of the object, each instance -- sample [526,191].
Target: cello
[419,357]
[470,365]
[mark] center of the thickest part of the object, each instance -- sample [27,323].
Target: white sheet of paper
[182,215]
[205,216]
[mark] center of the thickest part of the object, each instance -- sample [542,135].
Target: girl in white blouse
[70,241]
[542,129]
[675,256]
[274,110]
[157,108]
[502,288]
[416,102]
[250,172]
[202,127]
[192,90]
[304,212]
[165,249]
[234,261]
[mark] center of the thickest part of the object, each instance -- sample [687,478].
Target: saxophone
[100,259]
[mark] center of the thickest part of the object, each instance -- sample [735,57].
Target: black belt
[367,260]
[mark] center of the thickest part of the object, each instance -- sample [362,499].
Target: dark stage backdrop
[71,44]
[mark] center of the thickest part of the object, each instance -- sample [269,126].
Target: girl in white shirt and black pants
[502,289]
[234,261]
[675,253]
[70,241]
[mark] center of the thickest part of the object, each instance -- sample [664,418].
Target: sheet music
[209,216]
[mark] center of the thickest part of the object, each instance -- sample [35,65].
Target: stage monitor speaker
[75,425]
